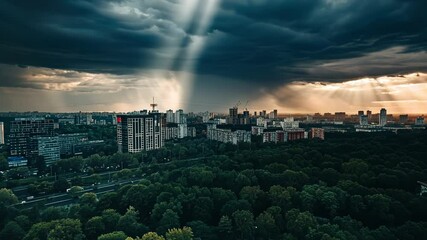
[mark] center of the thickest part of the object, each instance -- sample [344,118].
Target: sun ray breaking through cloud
[399,94]
[179,55]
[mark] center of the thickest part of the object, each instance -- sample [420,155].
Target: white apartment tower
[137,133]
[170,116]
[1,133]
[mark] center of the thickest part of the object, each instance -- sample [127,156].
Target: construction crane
[246,105]
[237,104]
[153,105]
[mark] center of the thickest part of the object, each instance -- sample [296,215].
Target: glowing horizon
[398,94]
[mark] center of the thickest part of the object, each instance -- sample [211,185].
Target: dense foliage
[351,186]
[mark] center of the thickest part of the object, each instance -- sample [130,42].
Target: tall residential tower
[1,133]
[142,132]
[383,117]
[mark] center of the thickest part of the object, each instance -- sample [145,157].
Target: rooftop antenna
[153,105]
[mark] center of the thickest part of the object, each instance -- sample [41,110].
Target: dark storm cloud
[81,35]
[267,42]
[290,40]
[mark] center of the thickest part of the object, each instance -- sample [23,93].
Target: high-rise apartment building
[273,114]
[363,120]
[340,116]
[383,117]
[2,133]
[180,117]
[142,132]
[369,114]
[170,116]
[233,117]
[403,118]
[246,114]
[182,130]
[419,120]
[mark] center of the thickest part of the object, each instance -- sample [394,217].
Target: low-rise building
[17,161]
[48,148]
[274,136]
[228,136]
[67,142]
[257,130]
[296,134]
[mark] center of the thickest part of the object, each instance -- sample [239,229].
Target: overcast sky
[292,55]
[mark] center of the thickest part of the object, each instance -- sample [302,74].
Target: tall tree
[7,197]
[129,224]
[266,226]
[225,227]
[12,230]
[170,219]
[94,227]
[113,236]
[184,233]
[244,223]
[151,236]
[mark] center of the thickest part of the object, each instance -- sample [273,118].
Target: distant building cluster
[236,118]
[36,136]
[178,131]
[385,122]
[270,127]
[32,138]
[176,125]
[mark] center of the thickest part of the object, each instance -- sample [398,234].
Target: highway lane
[22,191]
[65,199]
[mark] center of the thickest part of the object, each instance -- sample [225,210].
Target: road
[22,191]
[64,199]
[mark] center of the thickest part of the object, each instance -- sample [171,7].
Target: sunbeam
[179,56]
[396,93]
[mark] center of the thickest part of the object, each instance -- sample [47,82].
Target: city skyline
[224,112]
[293,56]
